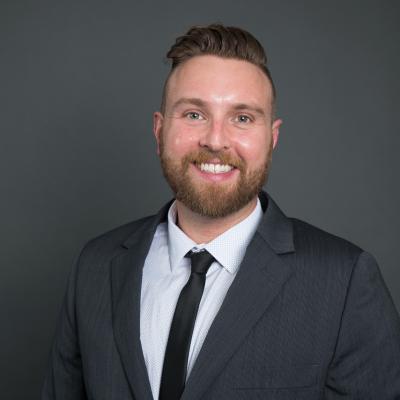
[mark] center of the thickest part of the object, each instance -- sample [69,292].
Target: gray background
[79,83]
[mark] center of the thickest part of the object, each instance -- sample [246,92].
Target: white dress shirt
[165,273]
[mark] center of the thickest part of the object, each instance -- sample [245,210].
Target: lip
[211,177]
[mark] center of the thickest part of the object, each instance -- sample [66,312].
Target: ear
[158,120]
[275,132]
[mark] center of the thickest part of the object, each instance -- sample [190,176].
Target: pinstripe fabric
[307,317]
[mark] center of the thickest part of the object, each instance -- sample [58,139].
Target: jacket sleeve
[64,379]
[366,363]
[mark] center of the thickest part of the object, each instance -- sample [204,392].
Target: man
[220,295]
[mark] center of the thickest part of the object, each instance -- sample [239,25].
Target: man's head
[216,128]
[221,41]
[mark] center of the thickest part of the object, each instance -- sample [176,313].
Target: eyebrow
[189,101]
[201,103]
[244,106]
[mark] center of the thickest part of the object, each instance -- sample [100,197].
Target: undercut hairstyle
[218,40]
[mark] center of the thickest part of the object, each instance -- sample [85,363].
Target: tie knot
[201,261]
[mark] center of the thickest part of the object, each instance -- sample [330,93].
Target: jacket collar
[275,228]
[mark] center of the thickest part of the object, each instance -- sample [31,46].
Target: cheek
[180,139]
[252,147]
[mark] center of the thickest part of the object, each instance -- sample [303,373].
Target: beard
[213,199]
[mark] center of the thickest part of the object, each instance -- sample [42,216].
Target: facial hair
[213,199]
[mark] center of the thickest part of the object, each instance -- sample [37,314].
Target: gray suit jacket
[307,317]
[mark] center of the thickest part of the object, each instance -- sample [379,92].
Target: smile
[215,168]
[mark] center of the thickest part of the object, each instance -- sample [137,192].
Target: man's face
[216,136]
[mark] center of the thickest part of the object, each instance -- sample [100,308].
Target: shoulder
[309,236]
[323,250]
[331,265]
[108,245]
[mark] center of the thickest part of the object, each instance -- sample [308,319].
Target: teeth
[215,168]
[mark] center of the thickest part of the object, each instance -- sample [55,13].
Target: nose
[216,136]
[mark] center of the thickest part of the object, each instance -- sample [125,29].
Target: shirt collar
[228,248]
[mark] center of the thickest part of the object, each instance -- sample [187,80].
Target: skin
[221,105]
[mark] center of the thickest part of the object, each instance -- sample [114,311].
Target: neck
[203,229]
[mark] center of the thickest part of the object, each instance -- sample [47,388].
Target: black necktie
[180,335]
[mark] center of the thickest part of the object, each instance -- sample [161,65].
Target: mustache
[203,156]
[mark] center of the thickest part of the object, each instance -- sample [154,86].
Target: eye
[193,115]
[243,119]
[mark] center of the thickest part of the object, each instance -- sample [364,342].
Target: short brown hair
[219,40]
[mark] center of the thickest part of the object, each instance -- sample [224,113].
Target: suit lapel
[126,280]
[259,280]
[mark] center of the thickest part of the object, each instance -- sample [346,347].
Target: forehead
[220,80]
